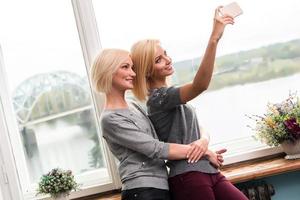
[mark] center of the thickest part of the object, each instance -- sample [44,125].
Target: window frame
[15,163]
[91,44]
[10,185]
[250,155]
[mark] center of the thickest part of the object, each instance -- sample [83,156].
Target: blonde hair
[105,65]
[143,55]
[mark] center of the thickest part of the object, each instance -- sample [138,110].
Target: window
[50,96]
[46,97]
[2,182]
[257,60]
[1,196]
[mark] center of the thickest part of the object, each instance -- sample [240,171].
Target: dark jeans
[202,186]
[145,193]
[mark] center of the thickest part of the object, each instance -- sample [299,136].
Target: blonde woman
[176,122]
[129,132]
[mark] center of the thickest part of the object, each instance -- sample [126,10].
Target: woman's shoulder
[113,116]
[159,96]
[158,90]
[161,92]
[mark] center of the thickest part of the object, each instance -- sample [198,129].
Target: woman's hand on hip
[216,158]
[197,150]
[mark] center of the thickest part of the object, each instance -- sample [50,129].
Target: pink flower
[293,128]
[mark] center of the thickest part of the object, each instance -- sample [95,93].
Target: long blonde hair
[143,55]
[105,65]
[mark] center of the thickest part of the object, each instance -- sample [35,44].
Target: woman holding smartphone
[176,122]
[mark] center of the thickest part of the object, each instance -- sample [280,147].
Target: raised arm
[203,76]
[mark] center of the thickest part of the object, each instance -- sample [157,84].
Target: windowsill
[260,168]
[245,171]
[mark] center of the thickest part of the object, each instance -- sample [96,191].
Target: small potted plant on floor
[280,125]
[57,183]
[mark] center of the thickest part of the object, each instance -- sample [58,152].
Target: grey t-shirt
[132,139]
[176,122]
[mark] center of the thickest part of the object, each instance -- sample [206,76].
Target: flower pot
[292,149]
[62,196]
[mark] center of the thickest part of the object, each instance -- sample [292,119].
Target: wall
[287,186]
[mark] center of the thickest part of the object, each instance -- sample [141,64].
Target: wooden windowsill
[260,168]
[244,171]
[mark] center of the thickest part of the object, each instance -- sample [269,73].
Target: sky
[39,36]
[184,26]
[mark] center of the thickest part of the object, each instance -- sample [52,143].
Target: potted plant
[280,125]
[57,183]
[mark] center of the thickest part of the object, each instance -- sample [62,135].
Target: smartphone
[232,9]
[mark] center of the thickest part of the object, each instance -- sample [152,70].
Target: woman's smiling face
[162,63]
[124,76]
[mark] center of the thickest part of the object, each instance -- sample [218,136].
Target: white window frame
[1,195]
[9,176]
[251,154]
[248,152]
[9,133]
[91,46]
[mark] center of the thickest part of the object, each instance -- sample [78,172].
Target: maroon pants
[202,186]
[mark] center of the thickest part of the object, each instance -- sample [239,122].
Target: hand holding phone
[232,9]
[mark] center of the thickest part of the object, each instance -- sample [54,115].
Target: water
[222,112]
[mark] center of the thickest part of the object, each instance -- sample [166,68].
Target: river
[222,112]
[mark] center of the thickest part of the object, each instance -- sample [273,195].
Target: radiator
[258,191]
